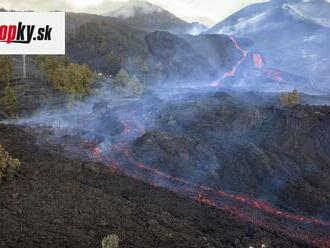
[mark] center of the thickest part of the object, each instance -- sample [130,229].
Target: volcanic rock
[280,154]
[60,193]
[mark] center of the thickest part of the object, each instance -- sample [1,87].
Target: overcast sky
[210,11]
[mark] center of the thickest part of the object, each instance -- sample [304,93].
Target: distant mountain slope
[316,10]
[192,59]
[92,38]
[143,14]
[292,36]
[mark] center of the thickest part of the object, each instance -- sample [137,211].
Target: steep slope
[92,38]
[191,59]
[316,10]
[290,35]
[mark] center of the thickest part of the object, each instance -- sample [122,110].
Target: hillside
[271,26]
[63,202]
[92,38]
[142,14]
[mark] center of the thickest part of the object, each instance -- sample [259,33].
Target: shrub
[290,99]
[8,165]
[72,79]
[121,78]
[126,85]
[6,71]
[113,63]
[110,241]
[9,101]
[134,87]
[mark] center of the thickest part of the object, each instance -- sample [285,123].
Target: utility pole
[24,67]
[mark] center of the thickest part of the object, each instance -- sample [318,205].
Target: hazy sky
[210,11]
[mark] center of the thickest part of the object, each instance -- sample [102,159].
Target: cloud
[210,10]
[37,5]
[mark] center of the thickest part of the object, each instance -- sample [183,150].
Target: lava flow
[234,69]
[258,61]
[232,72]
[274,75]
[258,212]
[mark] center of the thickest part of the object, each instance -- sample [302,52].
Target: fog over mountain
[211,11]
[290,35]
[131,9]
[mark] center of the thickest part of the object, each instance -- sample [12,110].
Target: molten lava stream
[232,72]
[253,211]
[238,64]
[247,209]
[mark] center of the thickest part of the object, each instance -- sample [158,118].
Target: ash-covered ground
[229,154]
[57,201]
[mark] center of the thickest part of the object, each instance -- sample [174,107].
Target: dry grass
[110,241]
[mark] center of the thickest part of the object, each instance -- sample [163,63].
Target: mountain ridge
[143,14]
[288,35]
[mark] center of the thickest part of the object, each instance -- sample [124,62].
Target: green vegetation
[70,78]
[8,165]
[113,63]
[106,43]
[110,241]
[9,101]
[5,71]
[126,85]
[122,78]
[98,37]
[290,99]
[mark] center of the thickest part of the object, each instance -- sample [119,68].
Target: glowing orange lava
[258,61]
[232,72]
[255,211]
[237,65]
[276,76]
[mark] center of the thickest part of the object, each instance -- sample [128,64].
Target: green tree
[290,99]
[294,98]
[72,79]
[126,85]
[122,78]
[10,101]
[113,63]
[5,71]
[134,87]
